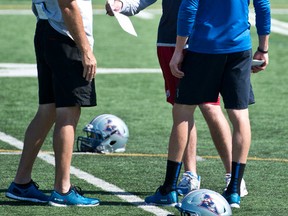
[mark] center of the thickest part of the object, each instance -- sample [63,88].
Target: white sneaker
[243,189]
[189,182]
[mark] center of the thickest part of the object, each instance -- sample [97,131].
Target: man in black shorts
[66,69]
[218,60]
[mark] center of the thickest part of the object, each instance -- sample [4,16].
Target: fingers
[256,69]
[175,64]
[176,72]
[112,6]
[89,66]
[89,72]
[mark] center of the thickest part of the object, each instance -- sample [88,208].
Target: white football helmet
[106,133]
[204,202]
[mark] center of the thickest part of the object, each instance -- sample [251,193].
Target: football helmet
[204,202]
[106,133]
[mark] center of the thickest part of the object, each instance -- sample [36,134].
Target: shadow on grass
[11,202]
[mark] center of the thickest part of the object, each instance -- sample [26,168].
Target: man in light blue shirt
[66,69]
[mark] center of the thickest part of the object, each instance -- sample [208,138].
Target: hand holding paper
[123,20]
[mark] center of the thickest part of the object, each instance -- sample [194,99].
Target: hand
[113,5]
[260,56]
[175,64]
[90,64]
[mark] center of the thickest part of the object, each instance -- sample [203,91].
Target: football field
[130,85]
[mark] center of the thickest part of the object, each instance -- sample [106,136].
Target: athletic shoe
[233,199]
[30,193]
[243,189]
[170,199]
[72,198]
[189,182]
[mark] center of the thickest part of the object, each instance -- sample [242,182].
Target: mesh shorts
[171,82]
[207,75]
[60,70]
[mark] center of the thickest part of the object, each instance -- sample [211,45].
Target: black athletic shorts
[60,69]
[207,75]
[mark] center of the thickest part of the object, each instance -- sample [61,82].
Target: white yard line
[97,182]
[29,70]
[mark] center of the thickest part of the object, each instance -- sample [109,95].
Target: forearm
[180,44]
[263,42]
[132,7]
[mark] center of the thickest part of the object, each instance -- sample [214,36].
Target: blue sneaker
[170,199]
[72,198]
[233,199]
[31,193]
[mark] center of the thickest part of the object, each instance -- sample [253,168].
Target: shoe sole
[78,205]
[243,193]
[234,205]
[12,196]
[157,204]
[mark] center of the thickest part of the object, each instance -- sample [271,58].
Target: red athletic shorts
[164,56]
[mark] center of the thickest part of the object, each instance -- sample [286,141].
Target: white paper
[123,21]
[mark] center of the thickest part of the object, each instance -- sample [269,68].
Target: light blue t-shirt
[53,14]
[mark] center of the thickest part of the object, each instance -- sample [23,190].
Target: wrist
[262,50]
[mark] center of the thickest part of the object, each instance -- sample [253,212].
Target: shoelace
[188,179]
[77,189]
[184,180]
[34,183]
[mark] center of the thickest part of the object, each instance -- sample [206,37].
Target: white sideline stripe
[103,11]
[97,182]
[277,26]
[30,70]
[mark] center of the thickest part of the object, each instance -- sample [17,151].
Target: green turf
[139,100]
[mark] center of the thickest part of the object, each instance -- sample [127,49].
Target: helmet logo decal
[112,128]
[207,202]
[109,126]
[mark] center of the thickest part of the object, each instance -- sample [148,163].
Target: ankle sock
[236,178]
[23,186]
[172,174]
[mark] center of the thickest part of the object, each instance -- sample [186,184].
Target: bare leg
[63,141]
[183,124]
[241,135]
[220,132]
[241,141]
[189,157]
[34,138]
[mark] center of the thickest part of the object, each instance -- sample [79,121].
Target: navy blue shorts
[207,75]
[60,70]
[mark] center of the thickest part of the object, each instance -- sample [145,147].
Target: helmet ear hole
[113,142]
